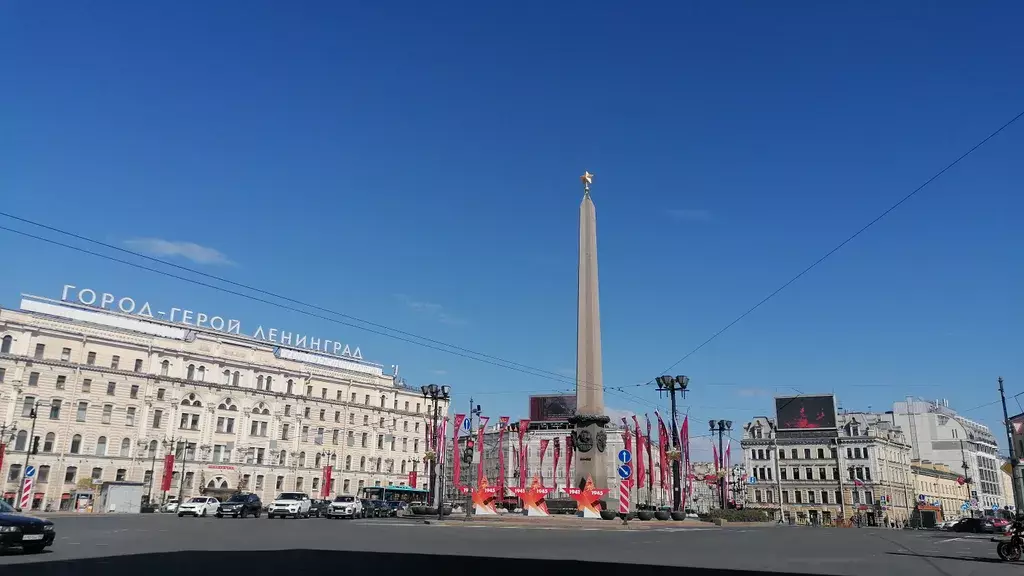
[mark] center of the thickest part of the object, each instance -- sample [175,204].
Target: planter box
[678,516]
[419,510]
[662,515]
[609,515]
[720,522]
[645,515]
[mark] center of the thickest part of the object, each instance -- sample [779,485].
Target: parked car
[977,525]
[379,509]
[171,506]
[240,506]
[200,507]
[345,507]
[29,533]
[317,508]
[294,504]
[398,508]
[367,508]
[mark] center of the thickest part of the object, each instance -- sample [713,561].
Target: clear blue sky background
[416,164]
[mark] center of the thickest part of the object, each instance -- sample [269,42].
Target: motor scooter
[1011,547]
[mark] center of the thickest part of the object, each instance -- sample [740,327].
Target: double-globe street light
[721,426]
[672,384]
[435,393]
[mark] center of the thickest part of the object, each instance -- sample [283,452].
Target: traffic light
[35,445]
[467,454]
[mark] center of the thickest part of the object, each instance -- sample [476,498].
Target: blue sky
[417,165]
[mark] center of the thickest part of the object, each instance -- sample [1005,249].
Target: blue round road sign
[752,480]
[30,471]
[625,470]
[625,457]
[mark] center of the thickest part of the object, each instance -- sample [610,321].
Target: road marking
[948,540]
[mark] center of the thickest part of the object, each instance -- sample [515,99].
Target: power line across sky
[257,294]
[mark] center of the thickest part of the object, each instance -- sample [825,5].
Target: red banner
[457,458]
[568,461]
[165,484]
[663,451]
[325,490]
[554,468]
[524,425]
[480,480]
[650,459]
[502,424]
[543,448]
[685,453]
[412,479]
[3,448]
[638,456]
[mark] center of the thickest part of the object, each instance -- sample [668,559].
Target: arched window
[403,467]
[21,441]
[5,346]
[302,460]
[165,368]
[348,462]
[70,473]
[291,386]
[126,447]
[101,446]
[316,461]
[227,376]
[383,399]
[152,448]
[191,372]
[362,463]
[49,441]
[283,458]
[235,377]
[76,444]
[259,382]
[228,405]
[202,373]
[270,384]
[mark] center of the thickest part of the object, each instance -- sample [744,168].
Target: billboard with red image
[806,412]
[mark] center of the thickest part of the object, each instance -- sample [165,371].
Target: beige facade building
[938,492]
[860,469]
[115,392]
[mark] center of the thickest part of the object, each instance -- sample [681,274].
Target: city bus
[394,494]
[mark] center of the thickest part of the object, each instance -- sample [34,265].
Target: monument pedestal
[589,444]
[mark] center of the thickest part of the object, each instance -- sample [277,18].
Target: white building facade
[114,393]
[938,434]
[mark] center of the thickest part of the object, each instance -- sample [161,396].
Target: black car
[379,509]
[240,506]
[367,507]
[30,533]
[977,525]
[318,508]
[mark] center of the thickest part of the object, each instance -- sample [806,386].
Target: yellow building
[939,496]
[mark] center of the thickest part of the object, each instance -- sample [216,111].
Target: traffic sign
[625,457]
[625,471]
[922,497]
[965,507]
[30,471]
[994,507]
[467,425]
[752,480]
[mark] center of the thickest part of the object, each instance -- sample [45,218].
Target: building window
[65,355]
[235,378]
[114,361]
[55,409]
[3,372]
[69,474]
[101,446]
[165,368]
[108,411]
[40,350]
[129,416]
[5,345]
[157,415]
[21,440]
[83,410]
[362,463]
[363,441]
[61,382]
[43,475]
[97,474]
[49,441]
[15,473]
[366,400]
[191,374]
[134,391]
[86,385]
[111,388]
[33,379]
[138,365]
[126,448]
[76,444]
[160,393]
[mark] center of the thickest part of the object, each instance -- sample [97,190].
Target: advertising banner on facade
[806,412]
[552,408]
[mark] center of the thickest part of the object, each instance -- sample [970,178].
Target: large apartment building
[114,392]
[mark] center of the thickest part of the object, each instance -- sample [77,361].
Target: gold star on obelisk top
[587,180]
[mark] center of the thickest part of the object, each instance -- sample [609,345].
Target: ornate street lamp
[435,393]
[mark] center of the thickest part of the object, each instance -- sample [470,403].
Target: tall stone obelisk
[589,437]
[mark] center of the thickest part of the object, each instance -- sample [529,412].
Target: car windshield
[345,499]
[290,496]
[238,498]
[6,508]
[198,501]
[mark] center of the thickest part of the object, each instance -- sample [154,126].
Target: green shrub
[744,515]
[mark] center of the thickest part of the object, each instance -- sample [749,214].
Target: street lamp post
[435,393]
[672,384]
[721,426]
[7,434]
[28,453]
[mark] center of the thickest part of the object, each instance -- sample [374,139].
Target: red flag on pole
[502,424]
[456,457]
[638,457]
[524,425]
[554,467]
[543,448]
[569,449]
[480,449]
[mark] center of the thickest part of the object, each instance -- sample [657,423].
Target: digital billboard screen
[552,408]
[806,412]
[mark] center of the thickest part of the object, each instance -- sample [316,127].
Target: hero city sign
[129,305]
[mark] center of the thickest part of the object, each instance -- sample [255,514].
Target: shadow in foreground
[961,558]
[277,562]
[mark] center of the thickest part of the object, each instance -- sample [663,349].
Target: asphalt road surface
[856,552]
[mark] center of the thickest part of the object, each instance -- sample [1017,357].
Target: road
[855,552]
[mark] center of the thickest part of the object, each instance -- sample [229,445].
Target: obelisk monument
[588,435]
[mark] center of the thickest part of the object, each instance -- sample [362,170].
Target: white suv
[345,507]
[294,504]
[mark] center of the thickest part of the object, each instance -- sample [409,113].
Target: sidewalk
[562,521]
